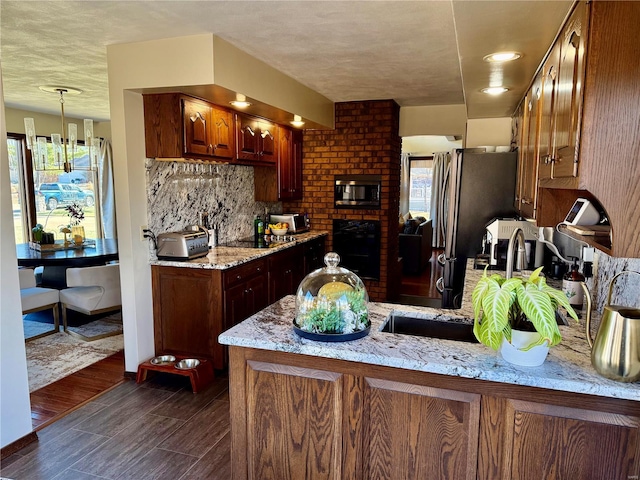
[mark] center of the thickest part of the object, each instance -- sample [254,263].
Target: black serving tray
[331,337]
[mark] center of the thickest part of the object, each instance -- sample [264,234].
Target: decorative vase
[77,233]
[512,352]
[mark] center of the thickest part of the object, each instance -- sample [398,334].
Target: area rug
[55,356]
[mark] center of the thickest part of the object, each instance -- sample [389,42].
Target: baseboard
[19,444]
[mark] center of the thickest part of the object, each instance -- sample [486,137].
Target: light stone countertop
[567,367]
[222,258]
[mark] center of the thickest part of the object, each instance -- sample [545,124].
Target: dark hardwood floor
[423,286]
[55,400]
[156,430]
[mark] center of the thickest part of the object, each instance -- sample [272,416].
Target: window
[420,176]
[41,196]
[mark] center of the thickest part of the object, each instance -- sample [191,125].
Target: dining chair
[92,290]
[36,299]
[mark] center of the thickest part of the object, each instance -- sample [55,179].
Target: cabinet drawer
[239,274]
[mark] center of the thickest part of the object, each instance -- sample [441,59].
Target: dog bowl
[163,360]
[187,363]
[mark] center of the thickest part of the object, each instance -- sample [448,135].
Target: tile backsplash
[177,192]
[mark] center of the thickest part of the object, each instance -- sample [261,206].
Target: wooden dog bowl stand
[200,376]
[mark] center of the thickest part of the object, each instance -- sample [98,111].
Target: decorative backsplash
[177,192]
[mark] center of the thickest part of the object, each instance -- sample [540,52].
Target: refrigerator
[478,187]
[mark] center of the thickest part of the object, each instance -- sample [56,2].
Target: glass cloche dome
[332,304]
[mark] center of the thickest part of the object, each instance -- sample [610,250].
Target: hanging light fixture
[64,151]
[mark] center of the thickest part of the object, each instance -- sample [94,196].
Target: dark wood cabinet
[182,127]
[257,140]
[290,165]
[187,312]
[285,181]
[297,416]
[192,306]
[245,291]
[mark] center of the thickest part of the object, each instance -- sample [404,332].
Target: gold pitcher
[615,352]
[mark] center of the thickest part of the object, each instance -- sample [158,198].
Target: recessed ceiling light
[297,121]
[240,101]
[494,90]
[502,57]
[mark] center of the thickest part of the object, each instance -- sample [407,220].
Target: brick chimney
[365,141]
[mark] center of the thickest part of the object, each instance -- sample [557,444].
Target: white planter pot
[531,358]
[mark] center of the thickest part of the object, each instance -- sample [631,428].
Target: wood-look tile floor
[156,430]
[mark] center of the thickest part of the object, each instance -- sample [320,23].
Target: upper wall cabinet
[257,140]
[179,126]
[589,141]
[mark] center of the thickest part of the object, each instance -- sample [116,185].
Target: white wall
[488,131]
[15,406]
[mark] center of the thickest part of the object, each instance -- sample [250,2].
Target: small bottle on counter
[572,288]
[258,227]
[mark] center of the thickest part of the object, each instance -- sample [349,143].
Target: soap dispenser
[571,286]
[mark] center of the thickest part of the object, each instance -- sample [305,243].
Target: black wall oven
[357,191]
[358,244]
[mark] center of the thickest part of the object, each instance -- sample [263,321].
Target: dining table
[56,260]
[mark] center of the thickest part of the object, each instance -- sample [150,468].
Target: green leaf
[487,336]
[537,306]
[561,299]
[478,294]
[495,305]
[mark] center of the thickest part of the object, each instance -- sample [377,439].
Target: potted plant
[518,316]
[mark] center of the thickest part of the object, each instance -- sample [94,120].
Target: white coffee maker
[498,233]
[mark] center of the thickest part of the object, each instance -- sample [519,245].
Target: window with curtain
[420,178]
[40,197]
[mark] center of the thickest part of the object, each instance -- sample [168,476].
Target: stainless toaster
[185,245]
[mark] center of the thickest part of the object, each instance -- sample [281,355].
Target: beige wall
[488,131]
[433,120]
[47,124]
[426,145]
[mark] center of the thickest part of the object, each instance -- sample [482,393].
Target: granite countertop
[222,257]
[567,367]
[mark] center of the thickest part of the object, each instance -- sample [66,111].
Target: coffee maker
[497,235]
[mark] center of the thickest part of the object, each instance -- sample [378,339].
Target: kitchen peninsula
[402,406]
[194,301]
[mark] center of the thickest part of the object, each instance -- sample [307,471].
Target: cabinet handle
[526,202]
[238,277]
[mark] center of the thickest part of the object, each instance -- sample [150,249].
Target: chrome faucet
[521,262]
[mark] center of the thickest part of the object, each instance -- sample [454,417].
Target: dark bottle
[258,228]
[572,288]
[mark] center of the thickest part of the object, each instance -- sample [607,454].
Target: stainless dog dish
[187,364]
[163,360]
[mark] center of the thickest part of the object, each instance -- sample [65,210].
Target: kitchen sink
[424,327]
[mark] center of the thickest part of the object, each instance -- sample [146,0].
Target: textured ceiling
[416,52]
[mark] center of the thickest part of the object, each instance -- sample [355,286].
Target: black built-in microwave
[357,191]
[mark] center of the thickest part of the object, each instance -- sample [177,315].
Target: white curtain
[441,162]
[405,186]
[107,195]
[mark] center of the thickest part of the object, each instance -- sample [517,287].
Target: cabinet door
[417,432]
[556,442]
[529,154]
[183,307]
[290,165]
[256,295]
[235,305]
[223,134]
[285,273]
[268,150]
[314,251]
[568,106]
[197,128]
[547,114]
[248,137]
[293,422]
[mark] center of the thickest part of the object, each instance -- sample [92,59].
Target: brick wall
[365,141]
